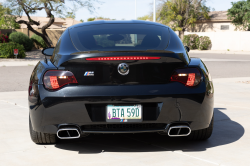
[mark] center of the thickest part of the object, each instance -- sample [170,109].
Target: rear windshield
[120,37]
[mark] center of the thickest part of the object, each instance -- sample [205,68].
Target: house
[218,22]
[60,23]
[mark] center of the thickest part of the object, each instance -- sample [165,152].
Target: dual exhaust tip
[178,131]
[73,132]
[68,133]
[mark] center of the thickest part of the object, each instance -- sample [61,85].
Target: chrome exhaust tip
[68,133]
[178,131]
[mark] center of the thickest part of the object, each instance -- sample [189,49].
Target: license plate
[124,113]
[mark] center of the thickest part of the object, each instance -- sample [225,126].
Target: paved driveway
[229,144]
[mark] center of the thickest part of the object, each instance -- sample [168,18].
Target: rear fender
[33,92]
[39,70]
[197,62]
[200,115]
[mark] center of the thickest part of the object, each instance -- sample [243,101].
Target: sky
[125,9]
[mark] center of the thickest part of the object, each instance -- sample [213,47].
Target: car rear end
[122,78]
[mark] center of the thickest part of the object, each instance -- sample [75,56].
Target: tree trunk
[44,36]
[47,39]
[30,22]
[181,34]
[46,26]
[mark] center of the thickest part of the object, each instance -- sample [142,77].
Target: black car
[119,77]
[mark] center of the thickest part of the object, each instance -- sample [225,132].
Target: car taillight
[119,58]
[188,76]
[55,79]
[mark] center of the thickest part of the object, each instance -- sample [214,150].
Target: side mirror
[187,48]
[48,51]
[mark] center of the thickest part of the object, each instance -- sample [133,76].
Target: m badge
[89,73]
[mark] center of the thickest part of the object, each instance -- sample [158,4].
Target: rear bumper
[175,103]
[124,128]
[128,131]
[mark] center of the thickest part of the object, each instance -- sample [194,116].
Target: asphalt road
[226,65]
[220,66]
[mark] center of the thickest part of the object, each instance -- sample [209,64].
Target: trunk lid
[156,71]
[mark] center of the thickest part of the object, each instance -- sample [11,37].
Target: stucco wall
[5,31]
[211,27]
[234,41]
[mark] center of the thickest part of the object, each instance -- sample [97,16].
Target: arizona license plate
[124,113]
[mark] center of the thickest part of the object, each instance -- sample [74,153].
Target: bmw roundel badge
[123,69]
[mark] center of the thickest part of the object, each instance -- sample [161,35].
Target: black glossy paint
[141,72]
[83,104]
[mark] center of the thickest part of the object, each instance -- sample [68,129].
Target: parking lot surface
[228,145]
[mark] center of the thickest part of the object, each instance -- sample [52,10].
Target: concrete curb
[18,63]
[219,52]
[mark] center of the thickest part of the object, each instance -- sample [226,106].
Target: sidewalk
[18,62]
[219,52]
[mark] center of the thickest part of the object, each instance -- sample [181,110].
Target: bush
[22,39]
[7,50]
[38,41]
[4,38]
[204,42]
[191,41]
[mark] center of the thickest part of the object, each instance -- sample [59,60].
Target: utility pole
[135,11]
[154,15]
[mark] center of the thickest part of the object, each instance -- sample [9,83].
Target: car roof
[116,22]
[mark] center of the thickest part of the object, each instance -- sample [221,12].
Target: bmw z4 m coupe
[119,77]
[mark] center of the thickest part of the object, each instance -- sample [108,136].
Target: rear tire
[203,134]
[41,138]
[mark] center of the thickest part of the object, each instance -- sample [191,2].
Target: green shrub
[191,41]
[38,40]
[7,50]
[203,42]
[21,38]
